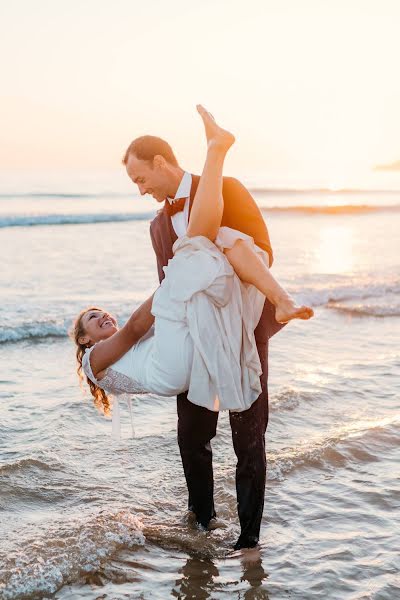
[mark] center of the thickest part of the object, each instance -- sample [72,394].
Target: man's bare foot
[247,555]
[250,555]
[287,309]
[216,136]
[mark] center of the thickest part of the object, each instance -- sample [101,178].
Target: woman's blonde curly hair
[101,399]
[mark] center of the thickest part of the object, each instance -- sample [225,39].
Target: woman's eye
[91,317]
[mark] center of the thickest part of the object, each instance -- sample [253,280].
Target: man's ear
[159,161]
[83,339]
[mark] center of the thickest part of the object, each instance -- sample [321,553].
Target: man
[152,166]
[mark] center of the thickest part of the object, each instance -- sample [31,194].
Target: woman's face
[98,325]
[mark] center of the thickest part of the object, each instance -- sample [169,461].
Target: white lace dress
[203,336]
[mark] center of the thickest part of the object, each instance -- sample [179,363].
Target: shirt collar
[184,188]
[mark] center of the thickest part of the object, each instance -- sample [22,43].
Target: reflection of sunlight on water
[358,428]
[335,251]
[309,374]
[314,378]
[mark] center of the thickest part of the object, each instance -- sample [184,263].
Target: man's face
[151,178]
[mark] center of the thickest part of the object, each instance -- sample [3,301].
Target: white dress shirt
[180,220]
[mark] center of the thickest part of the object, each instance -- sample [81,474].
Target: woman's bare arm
[112,349]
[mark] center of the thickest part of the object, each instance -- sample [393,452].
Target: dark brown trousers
[196,428]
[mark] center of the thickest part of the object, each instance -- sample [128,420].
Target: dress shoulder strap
[86,366]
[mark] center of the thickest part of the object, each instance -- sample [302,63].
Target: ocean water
[82,516]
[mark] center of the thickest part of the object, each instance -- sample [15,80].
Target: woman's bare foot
[286,310]
[216,136]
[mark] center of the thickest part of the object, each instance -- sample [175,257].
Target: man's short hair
[149,146]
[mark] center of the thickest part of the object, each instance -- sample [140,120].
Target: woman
[204,312]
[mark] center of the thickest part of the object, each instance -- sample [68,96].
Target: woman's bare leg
[251,269]
[205,220]
[208,204]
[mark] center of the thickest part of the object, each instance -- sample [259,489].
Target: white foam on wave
[49,559]
[385,307]
[386,294]
[41,328]
[33,330]
[71,219]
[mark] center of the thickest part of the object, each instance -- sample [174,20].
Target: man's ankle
[204,523]
[246,542]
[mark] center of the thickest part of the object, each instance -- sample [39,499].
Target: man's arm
[242,213]
[112,349]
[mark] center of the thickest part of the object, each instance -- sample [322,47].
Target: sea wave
[71,219]
[386,293]
[361,441]
[23,220]
[35,330]
[64,195]
[380,299]
[64,551]
[368,309]
[276,190]
[41,329]
[323,191]
[333,209]
[27,463]
[289,399]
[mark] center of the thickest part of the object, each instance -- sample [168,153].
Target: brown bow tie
[175,207]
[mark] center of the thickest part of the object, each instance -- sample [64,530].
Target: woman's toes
[205,115]
[214,133]
[306,312]
[204,112]
[283,314]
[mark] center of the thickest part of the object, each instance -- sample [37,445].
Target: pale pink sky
[308,85]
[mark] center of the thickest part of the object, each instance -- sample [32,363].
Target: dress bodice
[127,375]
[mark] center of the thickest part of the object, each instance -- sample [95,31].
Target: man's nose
[142,190]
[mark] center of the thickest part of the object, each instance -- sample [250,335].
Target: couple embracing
[203,335]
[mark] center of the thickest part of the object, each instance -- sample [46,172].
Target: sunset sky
[306,85]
